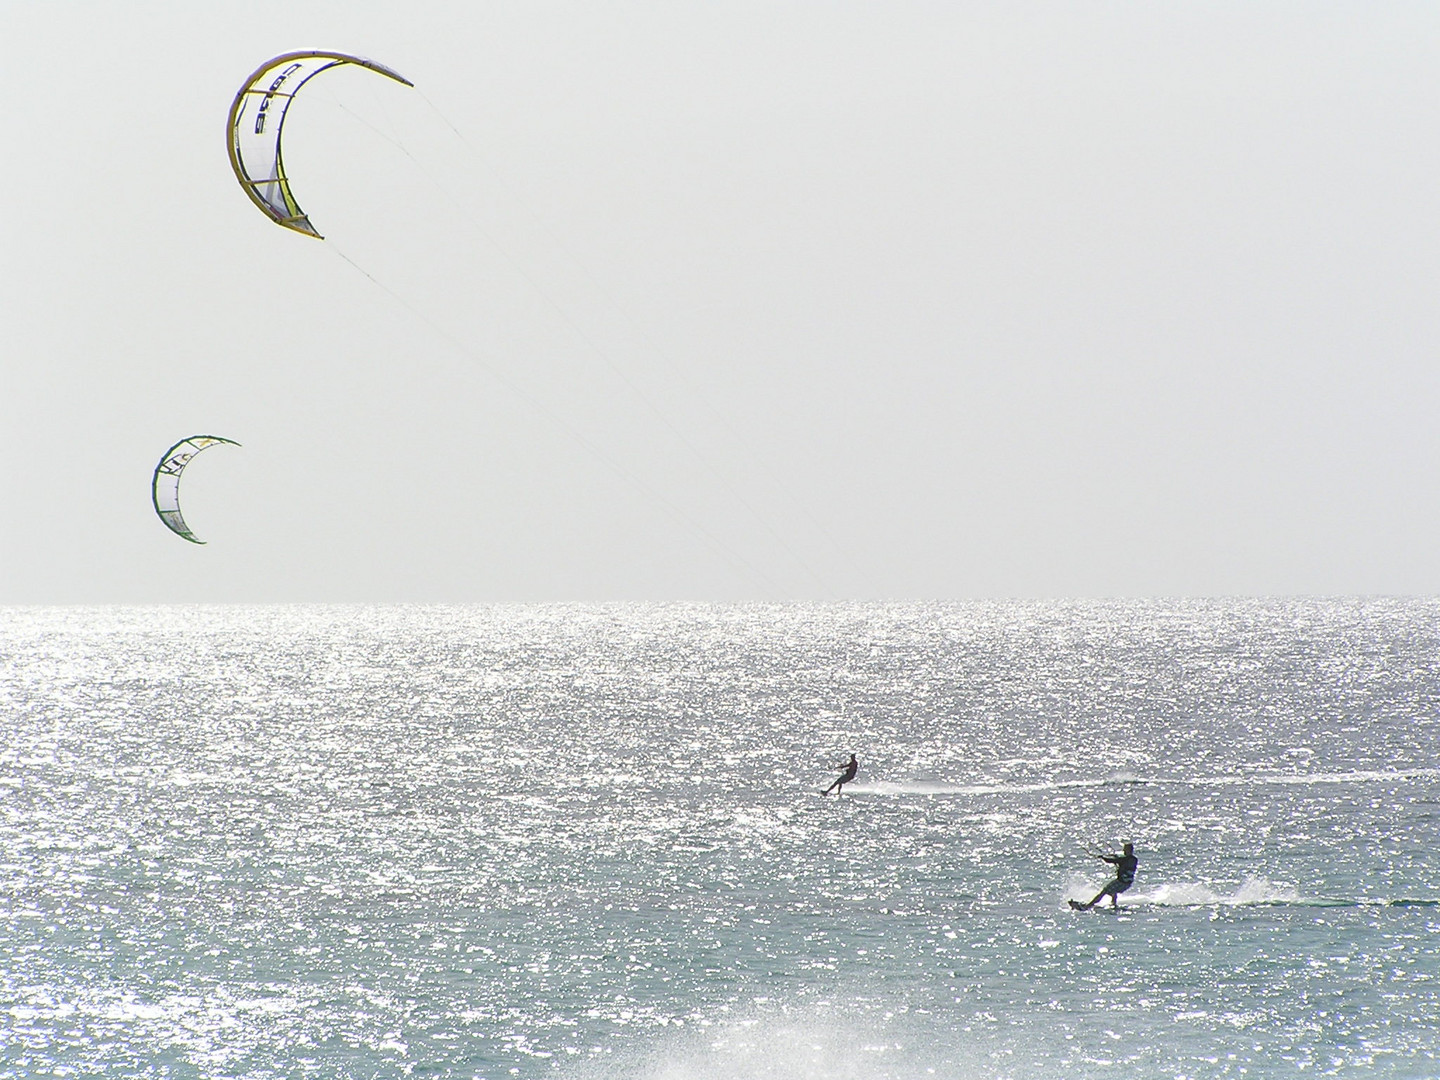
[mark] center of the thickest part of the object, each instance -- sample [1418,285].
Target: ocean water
[588,841]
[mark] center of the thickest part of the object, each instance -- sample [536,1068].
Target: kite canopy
[165,485]
[257,116]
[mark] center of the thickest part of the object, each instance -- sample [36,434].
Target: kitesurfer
[847,773]
[1124,864]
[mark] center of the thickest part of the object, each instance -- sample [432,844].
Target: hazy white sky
[727,301]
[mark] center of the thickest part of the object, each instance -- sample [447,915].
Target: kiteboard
[1076,905]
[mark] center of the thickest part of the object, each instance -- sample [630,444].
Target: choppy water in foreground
[587,842]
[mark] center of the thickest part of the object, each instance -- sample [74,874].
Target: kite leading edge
[165,484]
[256,117]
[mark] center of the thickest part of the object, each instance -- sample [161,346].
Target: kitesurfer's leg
[1108,890]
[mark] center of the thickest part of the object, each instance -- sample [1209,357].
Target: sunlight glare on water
[588,842]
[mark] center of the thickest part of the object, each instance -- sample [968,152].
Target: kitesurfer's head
[1129,848]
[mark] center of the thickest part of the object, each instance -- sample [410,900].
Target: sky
[726,302]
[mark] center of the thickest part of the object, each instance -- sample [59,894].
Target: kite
[256,117]
[165,485]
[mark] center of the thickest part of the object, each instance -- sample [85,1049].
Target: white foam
[908,787]
[901,788]
[1251,892]
[810,1044]
[1194,894]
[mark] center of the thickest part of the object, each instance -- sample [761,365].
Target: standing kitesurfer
[847,773]
[1124,864]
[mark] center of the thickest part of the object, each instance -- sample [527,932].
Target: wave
[1363,776]
[940,787]
[901,788]
[799,1044]
[1254,892]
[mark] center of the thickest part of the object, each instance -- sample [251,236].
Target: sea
[588,842]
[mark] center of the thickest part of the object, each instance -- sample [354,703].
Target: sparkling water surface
[588,841]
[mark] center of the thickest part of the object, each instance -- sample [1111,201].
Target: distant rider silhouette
[847,773]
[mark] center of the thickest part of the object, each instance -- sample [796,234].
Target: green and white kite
[257,116]
[165,484]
